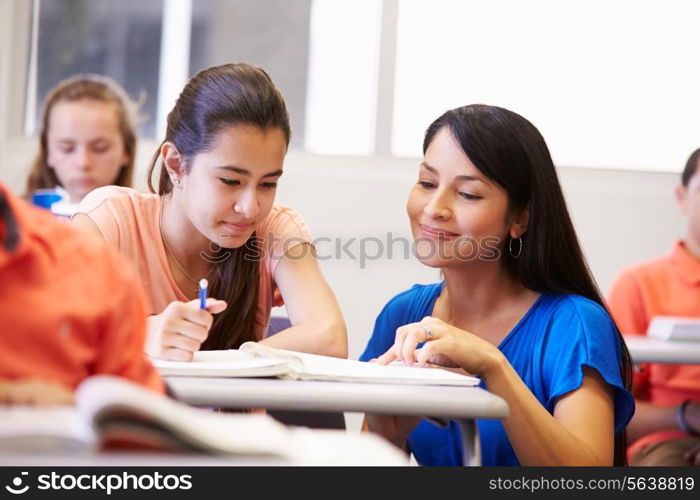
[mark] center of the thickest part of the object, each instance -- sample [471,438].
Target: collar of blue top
[11,237]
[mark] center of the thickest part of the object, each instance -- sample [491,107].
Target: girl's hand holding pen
[178,332]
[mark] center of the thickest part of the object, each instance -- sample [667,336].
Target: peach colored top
[665,286]
[129,220]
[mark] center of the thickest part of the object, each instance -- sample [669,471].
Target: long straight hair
[85,87]
[214,98]
[510,151]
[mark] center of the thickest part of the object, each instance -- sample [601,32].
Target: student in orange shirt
[87,138]
[67,309]
[213,216]
[665,429]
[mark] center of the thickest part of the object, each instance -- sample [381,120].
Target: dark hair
[77,88]
[214,98]
[691,167]
[509,150]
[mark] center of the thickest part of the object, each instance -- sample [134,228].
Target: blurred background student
[666,427]
[87,138]
[69,309]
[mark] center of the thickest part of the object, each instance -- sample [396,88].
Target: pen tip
[203,283]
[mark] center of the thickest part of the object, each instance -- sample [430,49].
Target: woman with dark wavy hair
[517,306]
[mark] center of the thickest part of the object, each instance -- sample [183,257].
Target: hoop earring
[520,247]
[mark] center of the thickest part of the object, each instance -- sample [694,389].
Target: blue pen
[203,284]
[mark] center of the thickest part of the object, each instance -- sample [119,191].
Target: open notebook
[256,360]
[113,413]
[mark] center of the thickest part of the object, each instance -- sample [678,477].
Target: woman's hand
[445,345]
[178,332]
[34,392]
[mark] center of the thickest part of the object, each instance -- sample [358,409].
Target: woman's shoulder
[575,313]
[570,303]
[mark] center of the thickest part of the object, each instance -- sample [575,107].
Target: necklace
[167,246]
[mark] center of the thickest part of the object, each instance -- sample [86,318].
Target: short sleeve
[123,329]
[583,334]
[626,304]
[100,207]
[282,230]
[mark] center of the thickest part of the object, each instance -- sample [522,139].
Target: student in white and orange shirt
[213,216]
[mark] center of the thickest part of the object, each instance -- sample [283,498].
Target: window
[342,91]
[118,39]
[609,84]
[273,34]
[324,65]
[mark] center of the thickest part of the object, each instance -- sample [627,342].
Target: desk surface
[387,399]
[648,350]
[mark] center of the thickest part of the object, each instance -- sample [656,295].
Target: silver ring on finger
[428,332]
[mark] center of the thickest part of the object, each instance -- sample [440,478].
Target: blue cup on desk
[44,198]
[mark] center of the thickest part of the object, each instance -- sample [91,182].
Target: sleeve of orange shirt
[122,344]
[626,305]
[627,308]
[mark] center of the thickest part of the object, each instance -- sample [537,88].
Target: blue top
[548,348]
